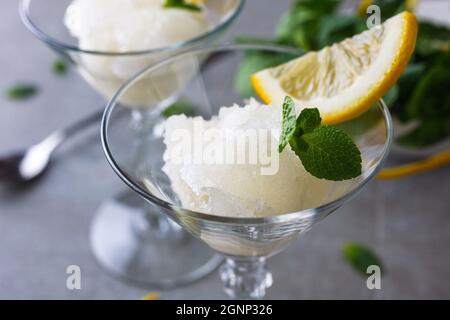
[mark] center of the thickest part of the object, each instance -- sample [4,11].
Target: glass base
[133,242]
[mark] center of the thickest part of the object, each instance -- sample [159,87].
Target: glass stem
[245,278]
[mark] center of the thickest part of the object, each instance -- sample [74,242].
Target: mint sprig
[326,152]
[289,123]
[181,4]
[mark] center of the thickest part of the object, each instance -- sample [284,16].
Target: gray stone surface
[45,228]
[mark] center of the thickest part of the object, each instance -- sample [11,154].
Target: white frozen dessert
[130,25]
[270,185]
[122,26]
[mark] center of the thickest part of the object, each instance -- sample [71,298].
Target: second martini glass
[129,238]
[246,243]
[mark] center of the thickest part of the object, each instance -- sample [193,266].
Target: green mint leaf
[179,107]
[360,257]
[21,91]
[288,124]
[181,4]
[326,152]
[59,67]
[330,154]
[308,120]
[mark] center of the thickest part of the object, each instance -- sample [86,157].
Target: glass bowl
[106,71]
[128,238]
[246,243]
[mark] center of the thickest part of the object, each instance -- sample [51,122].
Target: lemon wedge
[343,80]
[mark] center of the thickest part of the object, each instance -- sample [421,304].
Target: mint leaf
[59,67]
[326,152]
[179,107]
[288,124]
[181,4]
[360,257]
[308,120]
[21,91]
[330,154]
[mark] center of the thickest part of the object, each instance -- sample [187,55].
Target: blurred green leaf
[299,27]
[21,91]
[252,62]
[431,96]
[59,67]
[389,8]
[406,85]
[430,131]
[360,257]
[335,28]
[180,107]
[429,103]
[181,4]
[391,96]
[432,39]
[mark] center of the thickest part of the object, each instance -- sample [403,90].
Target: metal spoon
[28,164]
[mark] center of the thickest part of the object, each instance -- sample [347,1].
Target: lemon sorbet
[130,26]
[273,183]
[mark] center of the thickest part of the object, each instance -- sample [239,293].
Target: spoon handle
[83,123]
[53,141]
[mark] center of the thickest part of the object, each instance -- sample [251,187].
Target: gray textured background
[45,228]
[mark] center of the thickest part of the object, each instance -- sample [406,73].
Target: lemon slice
[433,162]
[346,78]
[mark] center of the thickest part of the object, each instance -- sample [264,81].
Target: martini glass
[129,238]
[246,243]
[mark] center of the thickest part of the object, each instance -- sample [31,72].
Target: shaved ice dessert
[131,25]
[124,26]
[276,184]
